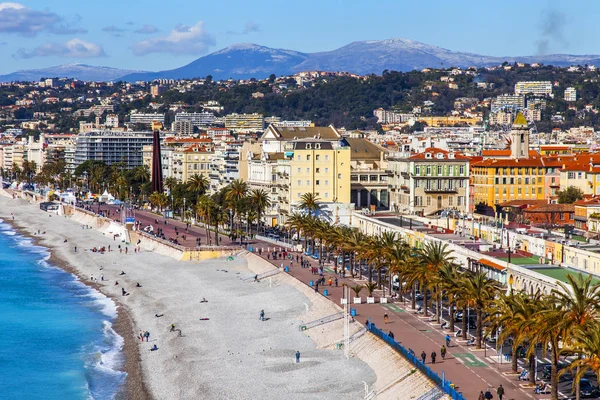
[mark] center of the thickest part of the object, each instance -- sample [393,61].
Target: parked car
[587,390]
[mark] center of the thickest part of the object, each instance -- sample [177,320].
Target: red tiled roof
[543,208]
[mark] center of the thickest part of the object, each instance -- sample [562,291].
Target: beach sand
[233,354]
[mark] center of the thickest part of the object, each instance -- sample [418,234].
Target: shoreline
[134,387]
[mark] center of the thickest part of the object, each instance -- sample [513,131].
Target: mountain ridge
[249,60]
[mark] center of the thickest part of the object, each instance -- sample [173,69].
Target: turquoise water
[56,337]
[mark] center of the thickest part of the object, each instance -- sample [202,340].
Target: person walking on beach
[141,335]
[172,328]
[330,281]
[147,334]
[297,357]
[75,249]
[262,315]
[385,318]
[423,356]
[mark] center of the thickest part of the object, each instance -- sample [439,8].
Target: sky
[155,35]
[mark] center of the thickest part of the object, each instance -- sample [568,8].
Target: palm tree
[310,203]
[588,342]
[481,291]
[199,184]
[580,302]
[234,194]
[435,255]
[510,315]
[449,282]
[260,200]
[370,286]
[159,200]
[170,183]
[357,289]
[545,328]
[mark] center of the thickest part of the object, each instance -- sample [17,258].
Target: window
[326,194]
[539,190]
[439,170]
[462,169]
[326,170]
[418,170]
[451,170]
[579,175]
[504,181]
[299,183]
[326,157]
[496,180]
[308,146]
[308,157]
[428,199]
[317,157]
[418,201]
[298,158]
[339,176]
[497,190]
[326,183]
[527,181]
[308,170]
[299,195]
[519,181]
[308,182]
[461,183]
[461,200]
[518,190]
[429,170]
[450,201]
[299,170]
[317,182]
[317,170]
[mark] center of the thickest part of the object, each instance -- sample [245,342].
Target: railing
[445,385]
[267,274]
[321,321]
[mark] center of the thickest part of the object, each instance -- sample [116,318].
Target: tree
[309,203]
[434,256]
[260,201]
[481,291]
[159,200]
[570,195]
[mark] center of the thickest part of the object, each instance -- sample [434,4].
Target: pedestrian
[423,356]
[262,315]
[500,392]
[147,334]
[141,335]
[488,395]
[172,328]
[385,318]
[481,396]
[336,282]
[75,249]
[391,334]
[330,281]
[297,356]
[443,352]
[433,356]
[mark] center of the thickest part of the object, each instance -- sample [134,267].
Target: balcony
[441,190]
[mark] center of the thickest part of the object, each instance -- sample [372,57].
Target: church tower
[519,136]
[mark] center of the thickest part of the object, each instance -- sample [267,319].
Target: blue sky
[155,35]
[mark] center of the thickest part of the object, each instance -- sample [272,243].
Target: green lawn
[561,273]
[579,238]
[521,260]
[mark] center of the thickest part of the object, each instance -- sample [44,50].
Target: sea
[56,335]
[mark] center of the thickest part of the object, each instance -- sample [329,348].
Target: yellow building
[448,121]
[190,161]
[319,167]
[520,177]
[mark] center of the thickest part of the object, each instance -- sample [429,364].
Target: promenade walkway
[471,371]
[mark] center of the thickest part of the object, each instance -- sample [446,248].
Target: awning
[491,264]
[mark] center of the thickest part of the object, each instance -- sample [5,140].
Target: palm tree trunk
[554,373]
[370,269]
[532,367]
[464,323]
[478,325]
[424,289]
[217,232]
[438,310]
[451,316]
[514,360]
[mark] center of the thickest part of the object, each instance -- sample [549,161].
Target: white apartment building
[112,121]
[538,88]
[139,118]
[508,101]
[196,118]
[243,123]
[570,94]
[391,117]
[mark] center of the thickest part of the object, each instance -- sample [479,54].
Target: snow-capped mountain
[74,71]
[243,61]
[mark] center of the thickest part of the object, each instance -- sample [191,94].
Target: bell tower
[519,136]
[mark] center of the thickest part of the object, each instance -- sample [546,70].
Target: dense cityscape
[210,218]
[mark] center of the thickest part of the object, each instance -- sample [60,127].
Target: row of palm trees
[565,322]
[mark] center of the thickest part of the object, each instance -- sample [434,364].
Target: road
[470,370]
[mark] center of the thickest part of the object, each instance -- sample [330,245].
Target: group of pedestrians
[487,395]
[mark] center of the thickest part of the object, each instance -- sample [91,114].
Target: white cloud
[147,29]
[20,20]
[251,27]
[183,39]
[74,48]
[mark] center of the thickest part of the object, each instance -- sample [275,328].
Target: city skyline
[33,35]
